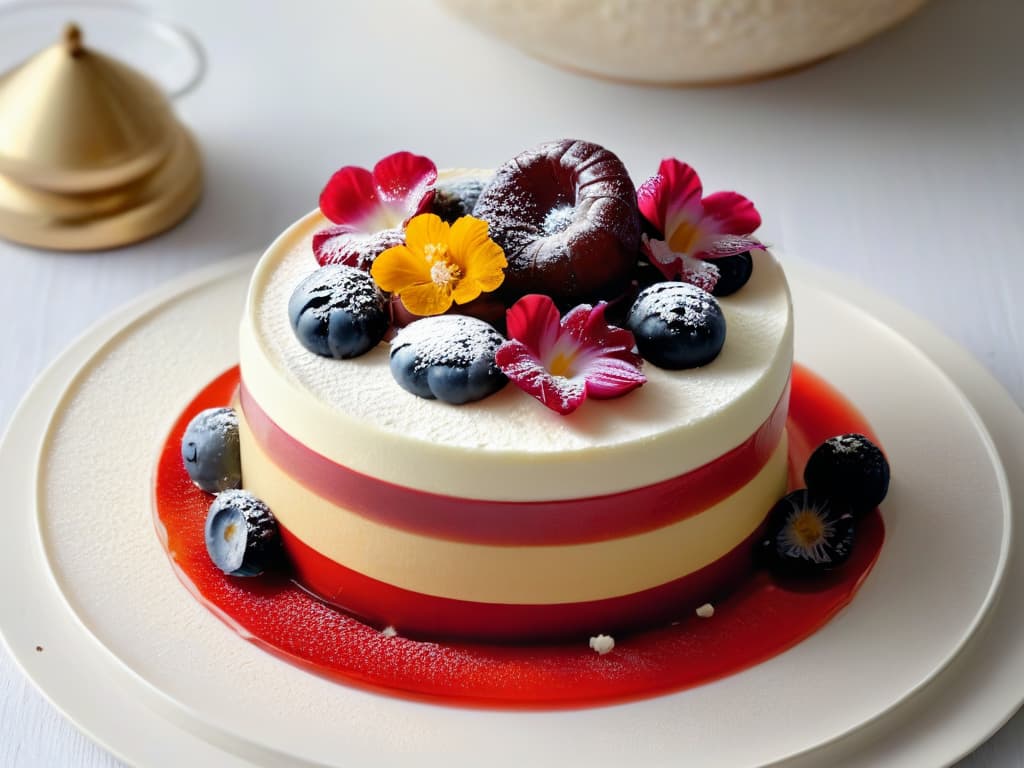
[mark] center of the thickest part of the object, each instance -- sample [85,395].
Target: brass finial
[73,39]
[91,154]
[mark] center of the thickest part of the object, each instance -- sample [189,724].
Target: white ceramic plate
[101,599]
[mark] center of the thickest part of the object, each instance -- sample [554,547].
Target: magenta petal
[609,377]
[404,180]
[350,197]
[609,340]
[341,245]
[732,213]
[721,246]
[661,256]
[525,371]
[664,196]
[534,320]
[648,199]
[576,321]
[703,274]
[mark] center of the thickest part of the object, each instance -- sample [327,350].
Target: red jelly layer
[420,615]
[525,523]
[760,619]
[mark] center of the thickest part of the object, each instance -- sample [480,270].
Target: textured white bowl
[683,41]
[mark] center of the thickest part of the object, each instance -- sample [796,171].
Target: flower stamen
[444,273]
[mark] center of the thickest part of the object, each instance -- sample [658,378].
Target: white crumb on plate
[389,631]
[602,643]
[706,611]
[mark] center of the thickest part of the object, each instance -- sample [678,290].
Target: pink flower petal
[720,246]
[350,197]
[681,266]
[703,274]
[611,341]
[667,261]
[587,354]
[670,196]
[732,213]
[649,196]
[609,377]
[534,320]
[523,368]
[403,181]
[341,245]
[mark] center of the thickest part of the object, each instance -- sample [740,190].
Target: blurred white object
[683,41]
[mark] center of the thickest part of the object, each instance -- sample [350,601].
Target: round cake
[500,519]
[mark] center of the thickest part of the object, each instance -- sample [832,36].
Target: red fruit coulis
[763,618]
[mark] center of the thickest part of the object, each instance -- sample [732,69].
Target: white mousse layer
[509,447]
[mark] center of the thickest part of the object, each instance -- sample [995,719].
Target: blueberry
[851,468]
[677,325]
[456,198]
[210,451]
[733,273]
[241,534]
[448,357]
[339,312]
[807,534]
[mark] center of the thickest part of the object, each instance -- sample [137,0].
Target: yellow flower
[440,264]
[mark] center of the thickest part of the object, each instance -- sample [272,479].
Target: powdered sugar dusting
[454,340]
[221,421]
[339,287]
[339,245]
[676,302]
[850,444]
[558,219]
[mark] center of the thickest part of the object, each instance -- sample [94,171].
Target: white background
[899,164]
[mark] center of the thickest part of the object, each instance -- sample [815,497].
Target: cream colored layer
[531,575]
[508,446]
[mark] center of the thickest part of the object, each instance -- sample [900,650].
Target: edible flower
[694,228]
[563,361]
[440,264]
[369,209]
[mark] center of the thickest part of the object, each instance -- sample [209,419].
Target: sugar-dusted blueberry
[807,534]
[209,449]
[849,467]
[733,273]
[677,325]
[339,312]
[448,357]
[455,198]
[241,534]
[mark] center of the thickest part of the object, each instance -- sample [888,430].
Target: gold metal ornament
[91,153]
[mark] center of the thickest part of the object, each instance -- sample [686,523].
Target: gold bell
[91,154]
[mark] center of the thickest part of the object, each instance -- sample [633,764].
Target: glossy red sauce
[763,618]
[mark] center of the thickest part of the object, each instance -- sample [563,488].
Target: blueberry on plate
[209,449]
[733,273]
[338,312]
[849,467]
[448,358]
[241,534]
[807,534]
[677,325]
[455,198]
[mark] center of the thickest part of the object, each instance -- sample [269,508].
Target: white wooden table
[899,164]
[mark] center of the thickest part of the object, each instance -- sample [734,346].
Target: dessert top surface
[353,412]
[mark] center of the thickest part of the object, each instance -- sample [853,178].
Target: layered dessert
[516,406]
